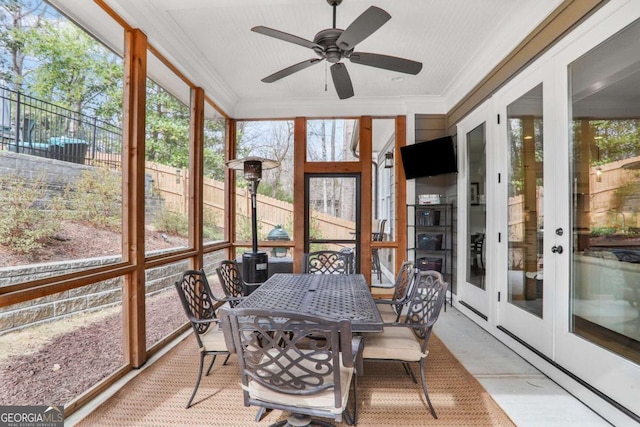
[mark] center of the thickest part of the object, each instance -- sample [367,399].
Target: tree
[167,129]
[272,140]
[19,19]
[615,140]
[214,144]
[75,71]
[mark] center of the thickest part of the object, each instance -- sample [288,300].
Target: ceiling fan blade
[341,80]
[286,37]
[290,70]
[392,63]
[364,25]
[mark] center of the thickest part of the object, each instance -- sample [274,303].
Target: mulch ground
[73,362]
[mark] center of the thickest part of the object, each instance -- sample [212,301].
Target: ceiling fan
[334,44]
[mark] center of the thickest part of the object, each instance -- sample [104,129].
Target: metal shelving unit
[430,238]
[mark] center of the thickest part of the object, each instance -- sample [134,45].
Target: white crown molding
[287,108]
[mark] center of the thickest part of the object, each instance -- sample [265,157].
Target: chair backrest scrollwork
[231,280]
[328,262]
[280,351]
[197,299]
[425,303]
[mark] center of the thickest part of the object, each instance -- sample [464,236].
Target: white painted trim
[286,108]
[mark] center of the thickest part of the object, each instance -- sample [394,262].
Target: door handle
[557,249]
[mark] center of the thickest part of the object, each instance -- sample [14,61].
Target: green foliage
[210,229]
[95,197]
[314,230]
[243,227]
[171,222]
[214,144]
[212,233]
[623,194]
[74,70]
[167,128]
[18,20]
[29,217]
[602,231]
[615,140]
[267,189]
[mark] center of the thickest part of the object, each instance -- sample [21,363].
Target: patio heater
[255,265]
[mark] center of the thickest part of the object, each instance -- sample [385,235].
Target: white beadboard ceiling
[458,42]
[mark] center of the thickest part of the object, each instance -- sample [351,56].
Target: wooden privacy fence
[172,186]
[613,192]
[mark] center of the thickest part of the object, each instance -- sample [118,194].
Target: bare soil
[52,363]
[77,240]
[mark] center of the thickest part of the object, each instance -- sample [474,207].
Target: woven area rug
[386,395]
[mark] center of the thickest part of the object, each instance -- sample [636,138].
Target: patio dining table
[336,296]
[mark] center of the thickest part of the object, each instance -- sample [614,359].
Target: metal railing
[32,126]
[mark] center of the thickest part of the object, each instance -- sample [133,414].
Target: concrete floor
[524,393]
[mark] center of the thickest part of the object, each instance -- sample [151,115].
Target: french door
[531,253]
[474,259]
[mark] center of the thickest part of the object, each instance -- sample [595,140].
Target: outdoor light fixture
[598,174]
[388,159]
[254,264]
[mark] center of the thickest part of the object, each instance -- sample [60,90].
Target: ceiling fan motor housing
[327,39]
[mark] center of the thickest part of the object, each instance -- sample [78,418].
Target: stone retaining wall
[92,297]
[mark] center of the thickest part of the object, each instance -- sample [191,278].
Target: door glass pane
[333,214]
[525,214]
[605,103]
[477,226]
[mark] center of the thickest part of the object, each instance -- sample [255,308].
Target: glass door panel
[332,217]
[605,261]
[522,310]
[474,260]
[525,202]
[476,200]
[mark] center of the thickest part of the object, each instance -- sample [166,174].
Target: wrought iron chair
[477,249]
[375,256]
[407,341]
[231,281]
[391,309]
[281,368]
[199,304]
[328,262]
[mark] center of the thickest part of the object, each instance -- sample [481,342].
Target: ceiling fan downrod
[334,4]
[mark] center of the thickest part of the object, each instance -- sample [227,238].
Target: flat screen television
[429,158]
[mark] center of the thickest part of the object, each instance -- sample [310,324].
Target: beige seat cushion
[385,308]
[325,400]
[388,316]
[395,343]
[213,339]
